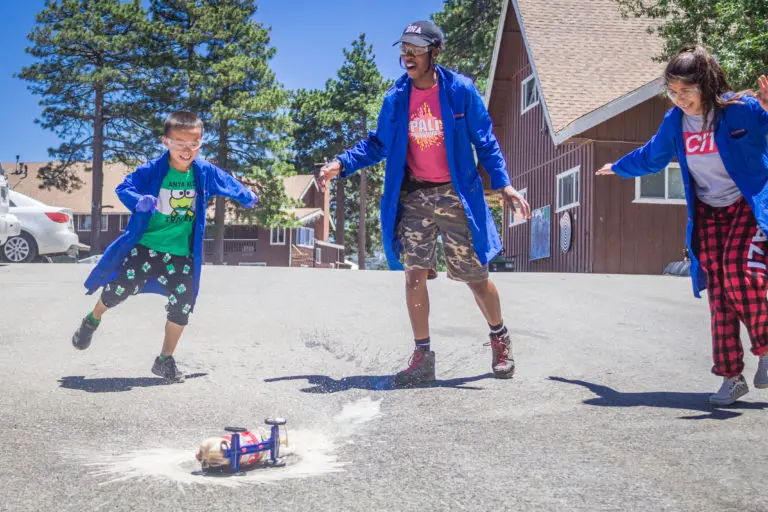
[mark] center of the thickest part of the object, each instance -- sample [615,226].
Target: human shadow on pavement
[609,397]
[325,384]
[115,384]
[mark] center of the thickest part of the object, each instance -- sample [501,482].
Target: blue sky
[308,34]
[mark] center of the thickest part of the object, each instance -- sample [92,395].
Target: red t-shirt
[426,155]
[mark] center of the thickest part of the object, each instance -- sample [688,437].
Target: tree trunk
[363,200]
[223,162]
[340,206]
[98,172]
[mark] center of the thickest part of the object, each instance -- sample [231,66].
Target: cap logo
[413,29]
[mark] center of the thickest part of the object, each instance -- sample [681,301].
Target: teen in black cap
[429,122]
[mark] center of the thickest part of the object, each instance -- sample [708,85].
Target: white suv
[9,223]
[45,231]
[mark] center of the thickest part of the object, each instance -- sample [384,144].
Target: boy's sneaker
[732,389]
[761,376]
[502,362]
[421,368]
[81,340]
[167,369]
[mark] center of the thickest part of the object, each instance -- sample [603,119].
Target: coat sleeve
[221,183]
[759,112]
[653,157]
[375,148]
[485,142]
[134,186]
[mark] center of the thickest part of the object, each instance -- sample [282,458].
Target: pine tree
[356,97]
[88,55]
[736,30]
[214,60]
[470,28]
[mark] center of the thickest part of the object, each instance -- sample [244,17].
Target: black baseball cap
[422,33]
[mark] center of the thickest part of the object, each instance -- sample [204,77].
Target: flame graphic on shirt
[425,129]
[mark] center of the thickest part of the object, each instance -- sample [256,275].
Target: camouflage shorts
[428,213]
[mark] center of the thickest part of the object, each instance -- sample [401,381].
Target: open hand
[762,95]
[147,203]
[605,170]
[328,172]
[516,201]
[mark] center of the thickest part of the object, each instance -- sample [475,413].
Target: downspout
[290,246]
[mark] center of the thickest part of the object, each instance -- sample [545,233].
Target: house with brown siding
[573,85]
[244,244]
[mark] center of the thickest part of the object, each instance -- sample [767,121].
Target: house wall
[611,233]
[534,162]
[106,237]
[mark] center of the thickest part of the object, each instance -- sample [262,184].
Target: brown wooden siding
[534,162]
[105,237]
[541,183]
[632,238]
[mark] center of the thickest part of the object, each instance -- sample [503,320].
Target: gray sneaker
[81,340]
[732,389]
[167,369]
[761,375]
[421,368]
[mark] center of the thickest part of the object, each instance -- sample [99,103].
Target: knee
[416,279]
[478,287]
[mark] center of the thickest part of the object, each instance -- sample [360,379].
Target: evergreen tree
[88,55]
[736,30]
[213,59]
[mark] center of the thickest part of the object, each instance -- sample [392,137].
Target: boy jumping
[161,250]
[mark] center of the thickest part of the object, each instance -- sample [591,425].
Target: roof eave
[609,111]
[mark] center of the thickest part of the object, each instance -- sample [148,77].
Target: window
[84,223]
[124,221]
[568,189]
[277,237]
[530,94]
[318,255]
[516,216]
[665,187]
[305,237]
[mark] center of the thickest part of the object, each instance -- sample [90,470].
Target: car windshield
[22,200]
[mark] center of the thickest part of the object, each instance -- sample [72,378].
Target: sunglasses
[413,51]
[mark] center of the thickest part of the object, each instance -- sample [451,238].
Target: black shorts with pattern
[173,272]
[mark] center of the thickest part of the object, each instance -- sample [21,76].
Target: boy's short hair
[181,120]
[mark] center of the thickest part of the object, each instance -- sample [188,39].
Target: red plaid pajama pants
[732,252]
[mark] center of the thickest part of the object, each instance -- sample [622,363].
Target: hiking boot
[732,389]
[761,376]
[421,368]
[502,362]
[81,340]
[167,369]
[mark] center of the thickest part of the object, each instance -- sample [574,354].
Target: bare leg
[487,298]
[172,335]
[417,299]
[99,310]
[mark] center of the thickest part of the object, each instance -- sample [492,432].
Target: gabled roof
[589,62]
[298,185]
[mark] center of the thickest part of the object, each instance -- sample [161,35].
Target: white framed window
[84,223]
[318,255]
[277,236]
[124,221]
[664,187]
[529,94]
[568,184]
[515,216]
[305,237]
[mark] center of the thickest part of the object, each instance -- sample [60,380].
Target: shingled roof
[589,62]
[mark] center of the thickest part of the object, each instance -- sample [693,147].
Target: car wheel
[20,249]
